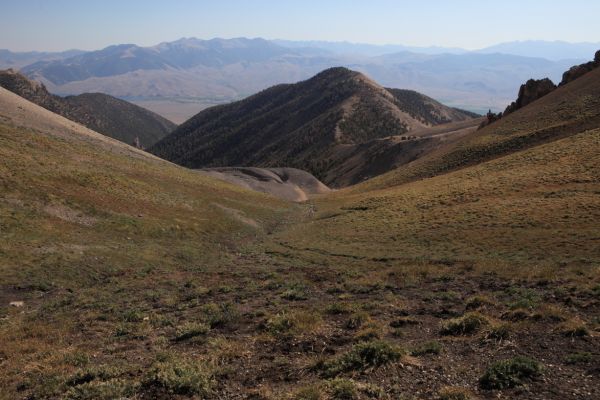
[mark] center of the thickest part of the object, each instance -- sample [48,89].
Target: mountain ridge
[105,114]
[309,125]
[199,73]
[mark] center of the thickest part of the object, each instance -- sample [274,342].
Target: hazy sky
[89,24]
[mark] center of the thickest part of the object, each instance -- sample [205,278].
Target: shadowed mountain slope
[302,125]
[105,114]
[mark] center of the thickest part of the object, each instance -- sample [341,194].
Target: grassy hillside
[464,270]
[303,125]
[568,110]
[96,235]
[534,207]
[102,113]
[140,279]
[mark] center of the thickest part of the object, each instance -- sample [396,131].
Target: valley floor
[143,280]
[269,322]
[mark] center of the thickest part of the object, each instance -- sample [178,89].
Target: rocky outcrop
[532,90]
[579,70]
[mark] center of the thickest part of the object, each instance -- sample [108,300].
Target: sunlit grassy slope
[70,209]
[538,207]
[143,280]
[86,217]
[570,109]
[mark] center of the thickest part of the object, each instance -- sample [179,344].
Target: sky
[54,25]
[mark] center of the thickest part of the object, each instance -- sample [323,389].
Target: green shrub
[93,373]
[510,373]
[361,357]
[191,330]
[219,315]
[280,323]
[100,390]
[579,358]
[523,298]
[368,334]
[184,377]
[133,316]
[431,347]
[295,292]
[309,393]
[343,389]
[465,325]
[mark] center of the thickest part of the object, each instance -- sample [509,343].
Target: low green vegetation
[510,373]
[124,277]
[467,324]
[579,358]
[360,357]
[191,330]
[432,347]
[182,377]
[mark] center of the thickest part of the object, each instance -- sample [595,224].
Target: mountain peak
[304,125]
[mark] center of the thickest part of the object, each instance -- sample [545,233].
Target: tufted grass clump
[360,357]
[191,330]
[293,323]
[574,327]
[343,389]
[356,320]
[579,358]
[510,373]
[102,390]
[499,332]
[431,347]
[477,302]
[467,324]
[295,292]
[220,315]
[181,377]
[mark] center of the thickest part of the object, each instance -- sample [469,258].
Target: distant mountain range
[324,125]
[178,79]
[102,113]
[556,50]
[551,50]
[9,59]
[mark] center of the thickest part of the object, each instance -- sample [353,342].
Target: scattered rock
[17,303]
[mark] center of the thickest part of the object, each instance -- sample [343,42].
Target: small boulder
[17,303]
